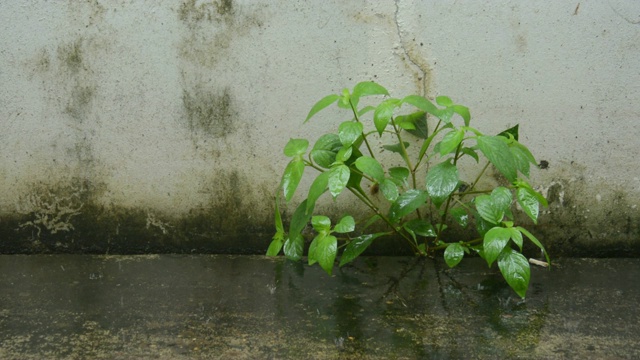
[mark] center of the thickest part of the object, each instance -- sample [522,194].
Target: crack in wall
[423,70]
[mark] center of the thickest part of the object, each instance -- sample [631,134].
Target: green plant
[410,209]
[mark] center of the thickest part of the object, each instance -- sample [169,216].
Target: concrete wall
[132,126]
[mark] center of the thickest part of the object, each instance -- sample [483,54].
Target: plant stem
[363,197]
[364,137]
[446,206]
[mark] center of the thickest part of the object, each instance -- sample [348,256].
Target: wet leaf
[460,215]
[420,227]
[442,180]
[495,240]
[453,254]
[407,203]
[338,178]
[296,147]
[293,247]
[345,225]
[399,175]
[529,203]
[371,167]
[321,223]
[356,246]
[488,210]
[291,177]
[318,187]
[498,153]
[389,190]
[349,132]
[325,252]
[325,149]
[515,269]
[451,141]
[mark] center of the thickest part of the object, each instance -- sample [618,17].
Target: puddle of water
[71,306]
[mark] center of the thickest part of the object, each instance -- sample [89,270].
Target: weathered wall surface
[132,126]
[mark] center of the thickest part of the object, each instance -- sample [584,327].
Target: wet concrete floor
[251,307]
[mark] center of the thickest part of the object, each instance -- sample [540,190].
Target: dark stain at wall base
[238,220]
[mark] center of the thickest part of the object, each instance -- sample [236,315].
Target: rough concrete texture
[224,307]
[149,119]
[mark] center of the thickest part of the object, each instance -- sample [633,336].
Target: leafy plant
[411,209]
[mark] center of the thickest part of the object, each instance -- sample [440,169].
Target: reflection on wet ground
[250,307]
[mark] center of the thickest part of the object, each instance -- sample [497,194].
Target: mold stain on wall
[211,27]
[209,113]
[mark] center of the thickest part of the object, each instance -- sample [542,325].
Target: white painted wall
[106,92]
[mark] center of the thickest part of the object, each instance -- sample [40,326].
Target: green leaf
[325,252]
[356,246]
[296,147]
[410,121]
[453,254]
[529,203]
[524,184]
[422,104]
[471,152]
[318,187]
[460,215]
[522,156]
[446,115]
[420,227]
[502,198]
[442,180]
[321,224]
[345,225]
[338,178]
[276,244]
[419,121]
[498,153]
[407,203]
[323,103]
[399,175]
[345,99]
[463,111]
[495,240]
[451,141]
[299,219]
[515,269]
[513,131]
[291,177]
[371,167]
[382,116]
[482,225]
[311,253]
[325,149]
[396,148]
[278,238]
[444,101]
[516,236]
[534,240]
[389,190]
[293,247]
[349,132]
[343,155]
[366,88]
[488,210]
